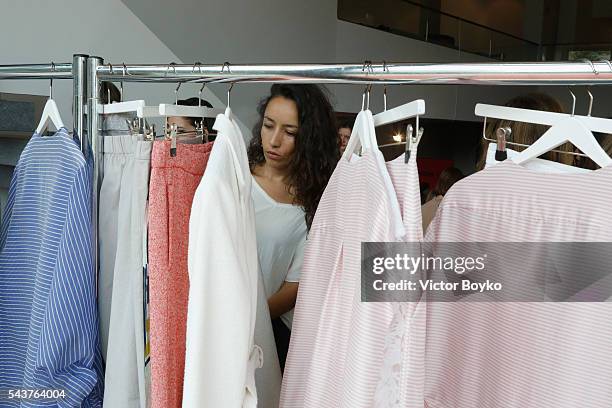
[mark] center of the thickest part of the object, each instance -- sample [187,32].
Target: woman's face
[183,124]
[344,134]
[278,132]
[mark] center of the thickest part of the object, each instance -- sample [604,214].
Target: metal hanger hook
[226,64]
[173,65]
[590,102]
[200,95]
[588,61]
[124,72]
[385,98]
[229,92]
[51,81]
[573,102]
[385,69]
[199,65]
[367,64]
[108,91]
[366,97]
[176,93]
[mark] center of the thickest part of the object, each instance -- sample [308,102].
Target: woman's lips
[274,156]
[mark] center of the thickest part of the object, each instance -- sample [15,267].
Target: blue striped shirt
[48,312]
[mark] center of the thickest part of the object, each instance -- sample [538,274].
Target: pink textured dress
[172,187]
[527,355]
[337,342]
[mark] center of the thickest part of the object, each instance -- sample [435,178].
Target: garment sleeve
[295,269]
[69,335]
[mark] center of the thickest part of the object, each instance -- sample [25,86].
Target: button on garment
[222,356]
[48,313]
[173,184]
[336,349]
[528,355]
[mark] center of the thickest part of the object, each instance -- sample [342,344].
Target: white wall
[44,31]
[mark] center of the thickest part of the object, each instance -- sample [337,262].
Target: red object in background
[430,169]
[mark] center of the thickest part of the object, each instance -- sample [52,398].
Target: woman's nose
[276,139]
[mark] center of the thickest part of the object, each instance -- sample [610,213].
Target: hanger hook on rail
[229,92]
[385,69]
[573,101]
[124,72]
[173,65]
[51,81]
[590,102]
[367,65]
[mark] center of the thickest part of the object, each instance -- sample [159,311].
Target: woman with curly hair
[292,155]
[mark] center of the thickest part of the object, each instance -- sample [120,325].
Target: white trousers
[122,228]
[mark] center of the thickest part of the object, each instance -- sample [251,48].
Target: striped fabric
[402,378]
[48,313]
[527,355]
[336,348]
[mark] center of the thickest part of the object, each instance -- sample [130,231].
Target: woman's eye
[267,126]
[291,134]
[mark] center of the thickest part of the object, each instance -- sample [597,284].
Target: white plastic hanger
[565,127]
[406,111]
[165,109]
[50,112]
[123,107]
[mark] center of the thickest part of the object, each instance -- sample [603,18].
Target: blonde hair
[527,133]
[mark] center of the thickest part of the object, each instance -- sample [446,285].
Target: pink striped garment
[527,355]
[402,377]
[336,349]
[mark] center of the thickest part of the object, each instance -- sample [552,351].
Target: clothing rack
[87,72]
[490,73]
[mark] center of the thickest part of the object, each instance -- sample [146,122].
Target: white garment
[541,165]
[281,237]
[221,357]
[123,201]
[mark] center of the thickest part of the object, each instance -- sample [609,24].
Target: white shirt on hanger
[281,237]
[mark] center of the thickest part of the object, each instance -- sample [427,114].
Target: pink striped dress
[337,342]
[527,355]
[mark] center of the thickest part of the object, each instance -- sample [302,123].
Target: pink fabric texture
[336,350]
[402,378]
[527,355]
[172,187]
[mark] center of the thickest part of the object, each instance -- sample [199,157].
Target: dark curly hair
[316,144]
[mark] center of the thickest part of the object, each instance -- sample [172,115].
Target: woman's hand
[284,300]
